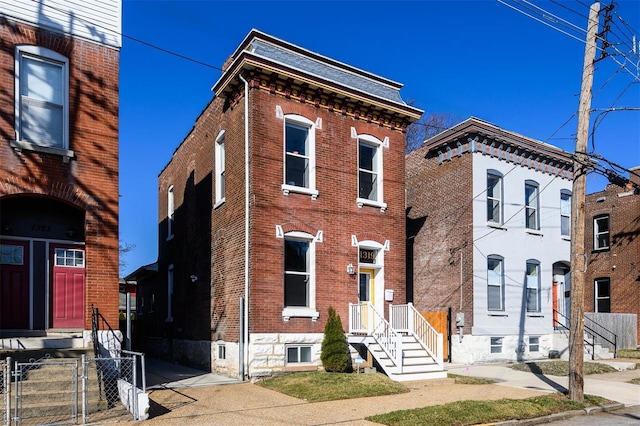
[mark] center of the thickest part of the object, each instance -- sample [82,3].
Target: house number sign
[368,256]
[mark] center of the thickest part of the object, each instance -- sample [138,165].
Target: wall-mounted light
[350,269]
[193,278]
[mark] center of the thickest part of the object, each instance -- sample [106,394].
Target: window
[603,295]
[496,345]
[370,172]
[220,168]
[601,232]
[534,343]
[299,280]
[11,255]
[170,212]
[531,205]
[533,286]
[222,351]
[494,197]
[69,257]
[298,354]
[565,213]
[299,156]
[495,283]
[42,98]
[169,293]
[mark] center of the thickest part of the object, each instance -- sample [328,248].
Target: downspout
[245,332]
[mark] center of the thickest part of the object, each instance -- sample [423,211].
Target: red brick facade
[620,263]
[209,238]
[88,181]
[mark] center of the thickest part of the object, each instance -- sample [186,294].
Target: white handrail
[406,318]
[365,319]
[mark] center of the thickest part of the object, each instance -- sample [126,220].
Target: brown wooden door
[439,321]
[14,284]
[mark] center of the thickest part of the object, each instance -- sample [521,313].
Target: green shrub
[334,356]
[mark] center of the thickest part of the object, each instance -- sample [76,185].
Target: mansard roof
[476,135]
[271,55]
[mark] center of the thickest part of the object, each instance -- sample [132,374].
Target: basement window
[298,354]
[222,351]
[534,343]
[496,345]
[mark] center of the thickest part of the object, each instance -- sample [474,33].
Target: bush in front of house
[334,355]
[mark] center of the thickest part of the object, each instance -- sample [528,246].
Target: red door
[14,284]
[68,287]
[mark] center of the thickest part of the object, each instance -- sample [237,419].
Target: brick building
[285,199]
[612,229]
[488,233]
[58,164]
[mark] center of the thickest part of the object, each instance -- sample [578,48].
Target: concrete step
[50,341]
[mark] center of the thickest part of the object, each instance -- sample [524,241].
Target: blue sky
[463,58]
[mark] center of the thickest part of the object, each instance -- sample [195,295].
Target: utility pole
[578,252]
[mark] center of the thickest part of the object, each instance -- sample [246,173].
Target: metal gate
[70,391]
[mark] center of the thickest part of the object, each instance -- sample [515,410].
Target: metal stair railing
[590,332]
[365,319]
[407,319]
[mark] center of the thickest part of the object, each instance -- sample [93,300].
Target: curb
[560,416]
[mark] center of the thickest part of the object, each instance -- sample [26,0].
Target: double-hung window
[370,178]
[495,283]
[220,168]
[41,99]
[531,205]
[602,291]
[171,210]
[533,285]
[494,197]
[299,156]
[565,213]
[299,275]
[601,232]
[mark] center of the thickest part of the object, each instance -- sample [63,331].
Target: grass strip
[322,386]
[560,368]
[475,412]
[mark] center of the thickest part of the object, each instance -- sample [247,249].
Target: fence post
[7,390]
[85,376]
[134,389]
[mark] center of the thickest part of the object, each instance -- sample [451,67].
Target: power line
[137,40]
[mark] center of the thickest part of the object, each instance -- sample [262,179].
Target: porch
[406,347]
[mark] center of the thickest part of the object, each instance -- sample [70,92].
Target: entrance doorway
[14,284]
[68,287]
[366,285]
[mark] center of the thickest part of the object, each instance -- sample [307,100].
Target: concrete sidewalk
[612,386]
[181,394]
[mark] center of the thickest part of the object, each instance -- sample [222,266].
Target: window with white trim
[370,176]
[495,283]
[533,285]
[601,232]
[222,351]
[565,213]
[299,274]
[69,257]
[496,345]
[298,354]
[220,168]
[171,210]
[531,205]
[534,343]
[42,98]
[602,291]
[299,155]
[494,197]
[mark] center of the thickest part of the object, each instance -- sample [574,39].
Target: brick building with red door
[58,166]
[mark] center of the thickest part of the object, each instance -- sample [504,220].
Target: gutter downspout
[245,332]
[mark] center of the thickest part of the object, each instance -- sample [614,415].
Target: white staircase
[406,349]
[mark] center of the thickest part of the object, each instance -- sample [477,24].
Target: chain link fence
[62,391]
